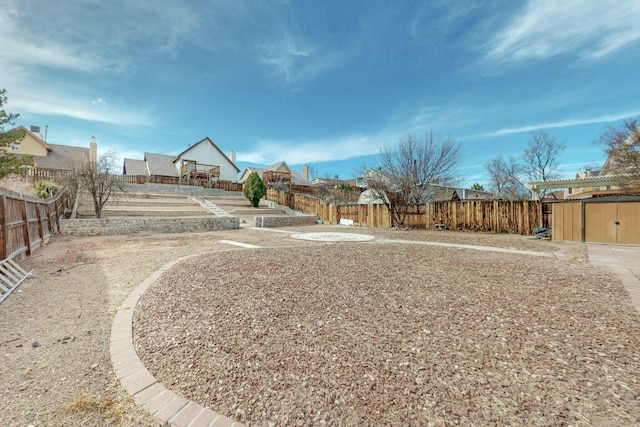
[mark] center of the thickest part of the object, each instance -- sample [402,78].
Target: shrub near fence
[27,222]
[516,217]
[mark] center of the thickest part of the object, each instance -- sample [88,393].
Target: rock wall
[113,226]
[284,221]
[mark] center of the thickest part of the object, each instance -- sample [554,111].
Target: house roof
[61,157]
[36,136]
[296,177]
[206,140]
[135,167]
[278,167]
[445,194]
[161,165]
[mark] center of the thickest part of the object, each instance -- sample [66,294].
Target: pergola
[594,181]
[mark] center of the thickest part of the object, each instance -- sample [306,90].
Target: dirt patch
[67,308]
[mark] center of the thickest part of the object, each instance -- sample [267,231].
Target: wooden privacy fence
[174,180]
[28,222]
[517,217]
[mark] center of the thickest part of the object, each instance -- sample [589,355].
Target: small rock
[35,344]
[94,366]
[602,354]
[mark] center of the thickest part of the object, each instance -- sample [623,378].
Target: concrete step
[257,211]
[146,203]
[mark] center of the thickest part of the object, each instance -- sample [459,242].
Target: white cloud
[295,60]
[46,104]
[560,124]
[318,151]
[548,28]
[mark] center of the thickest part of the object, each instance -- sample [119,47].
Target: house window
[570,190]
[15,147]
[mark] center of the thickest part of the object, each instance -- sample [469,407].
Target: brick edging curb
[164,405]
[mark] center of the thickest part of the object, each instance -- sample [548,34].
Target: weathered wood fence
[28,222]
[517,217]
[143,179]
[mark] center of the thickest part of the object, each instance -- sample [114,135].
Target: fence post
[3,224]
[25,216]
[40,227]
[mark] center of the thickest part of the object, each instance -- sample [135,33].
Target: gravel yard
[396,334]
[312,333]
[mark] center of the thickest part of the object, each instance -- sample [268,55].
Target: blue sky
[323,83]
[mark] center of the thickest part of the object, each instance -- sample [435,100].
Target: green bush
[254,189]
[46,189]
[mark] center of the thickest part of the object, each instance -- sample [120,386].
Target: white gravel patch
[334,237]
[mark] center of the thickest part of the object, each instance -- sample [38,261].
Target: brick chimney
[93,151]
[232,156]
[305,172]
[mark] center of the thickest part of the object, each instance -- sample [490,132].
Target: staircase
[125,205]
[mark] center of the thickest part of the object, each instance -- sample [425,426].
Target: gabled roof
[205,141]
[445,194]
[61,157]
[161,165]
[36,137]
[135,167]
[296,177]
[278,167]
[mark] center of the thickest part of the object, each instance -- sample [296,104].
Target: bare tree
[97,178]
[622,145]
[539,163]
[504,178]
[540,159]
[407,170]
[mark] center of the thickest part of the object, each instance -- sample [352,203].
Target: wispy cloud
[560,124]
[315,151]
[82,109]
[292,59]
[548,28]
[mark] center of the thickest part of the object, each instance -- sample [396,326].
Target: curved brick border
[163,404]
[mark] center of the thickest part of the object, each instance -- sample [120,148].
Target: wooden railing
[516,217]
[28,222]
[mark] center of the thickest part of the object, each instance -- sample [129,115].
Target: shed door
[629,219]
[612,222]
[600,222]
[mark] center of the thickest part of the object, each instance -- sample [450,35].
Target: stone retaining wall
[113,226]
[284,221]
[175,188]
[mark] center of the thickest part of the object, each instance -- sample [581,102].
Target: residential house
[202,161]
[275,173]
[428,192]
[51,161]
